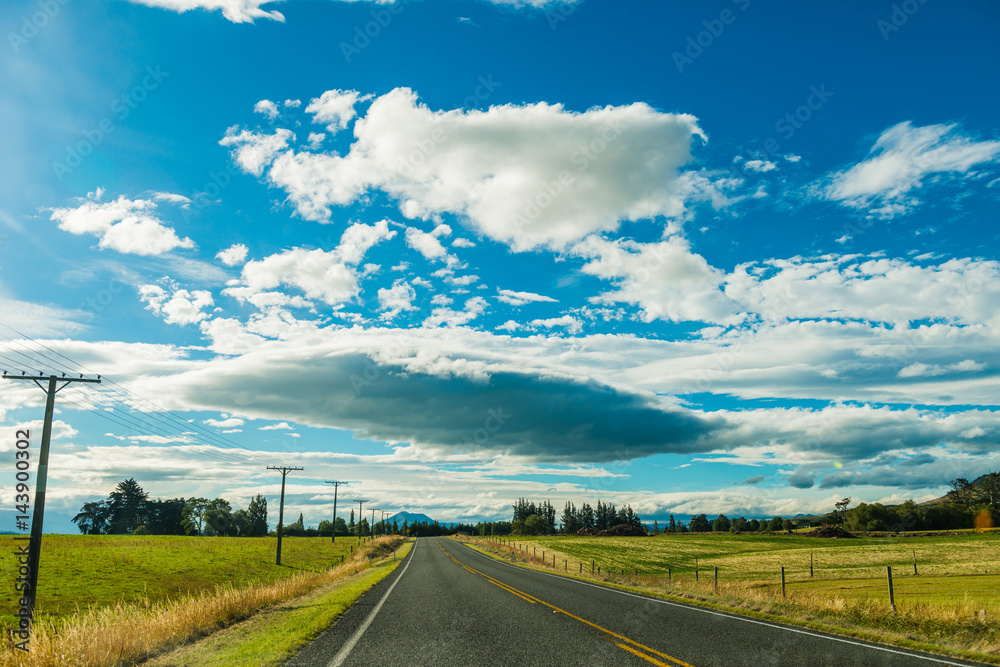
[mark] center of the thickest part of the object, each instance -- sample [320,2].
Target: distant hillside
[410,518]
[55,523]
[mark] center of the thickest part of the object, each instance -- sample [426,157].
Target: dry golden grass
[128,633]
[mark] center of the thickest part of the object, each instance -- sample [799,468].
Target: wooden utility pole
[281,508]
[41,475]
[361,503]
[335,487]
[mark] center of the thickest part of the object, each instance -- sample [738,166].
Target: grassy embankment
[952,605]
[118,600]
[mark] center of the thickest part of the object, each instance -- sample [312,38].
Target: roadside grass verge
[274,635]
[127,633]
[78,572]
[933,613]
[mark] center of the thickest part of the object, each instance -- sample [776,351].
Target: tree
[721,524]
[839,515]
[257,517]
[193,515]
[350,526]
[700,524]
[535,525]
[586,516]
[165,517]
[93,518]
[673,524]
[570,519]
[128,506]
[656,528]
[218,518]
[774,525]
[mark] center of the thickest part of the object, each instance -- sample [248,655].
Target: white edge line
[745,619]
[346,649]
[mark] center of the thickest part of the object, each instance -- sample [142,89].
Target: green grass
[80,571]
[274,635]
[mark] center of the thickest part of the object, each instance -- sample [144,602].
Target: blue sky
[719,257]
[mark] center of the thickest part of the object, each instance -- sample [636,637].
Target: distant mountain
[410,518]
[55,523]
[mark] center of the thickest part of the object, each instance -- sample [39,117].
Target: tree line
[532,519]
[128,510]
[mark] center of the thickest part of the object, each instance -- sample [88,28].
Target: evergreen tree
[128,506]
[257,517]
[673,524]
[586,516]
[570,519]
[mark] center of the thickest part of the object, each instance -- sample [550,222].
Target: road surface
[449,605]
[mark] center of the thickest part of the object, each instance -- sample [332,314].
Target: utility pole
[371,526]
[41,475]
[336,485]
[281,510]
[361,515]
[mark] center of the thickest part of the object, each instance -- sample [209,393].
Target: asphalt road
[449,605]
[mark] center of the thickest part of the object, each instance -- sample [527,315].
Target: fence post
[716,578]
[810,565]
[593,564]
[581,567]
[670,576]
[566,565]
[914,562]
[892,598]
[782,581]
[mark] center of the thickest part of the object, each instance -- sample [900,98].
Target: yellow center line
[532,599]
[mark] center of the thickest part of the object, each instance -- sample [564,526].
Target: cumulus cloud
[176,306]
[429,244]
[903,158]
[527,175]
[130,226]
[521,298]
[396,299]
[474,307]
[237,11]
[335,108]
[233,255]
[330,276]
[571,324]
[253,151]
[266,107]
[665,279]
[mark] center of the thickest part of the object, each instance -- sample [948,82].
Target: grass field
[80,571]
[952,605]
[124,622]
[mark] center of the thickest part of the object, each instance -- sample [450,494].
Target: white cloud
[901,160]
[330,276]
[463,243]
[183,201]
[868,288]
[253,151]
[126,225]
[315,139]
[266,107]
[237,11]
[760,165]
[572,325]
[666,280]
[530,175]
[227,422]
[293,104]
[474,307]
[396,299]
[429,244]
[521,298]
[233,255]
[335,108]
[932,370]
[178,306]
[281,426]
